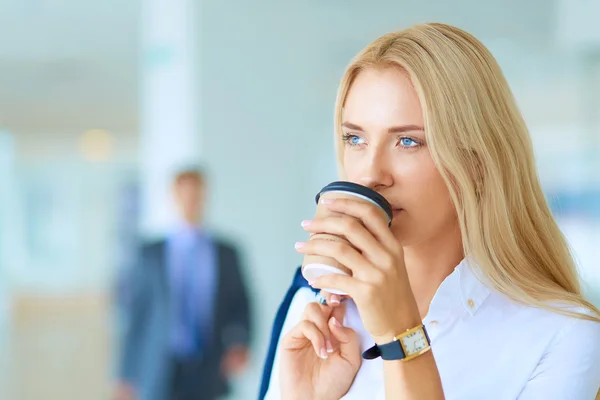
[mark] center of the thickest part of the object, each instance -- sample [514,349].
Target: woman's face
[385,149]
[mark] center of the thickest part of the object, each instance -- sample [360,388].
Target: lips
[397,211]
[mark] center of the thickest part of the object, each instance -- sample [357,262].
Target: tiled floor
[62,349]
[56,349]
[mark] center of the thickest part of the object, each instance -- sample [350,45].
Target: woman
[425,117]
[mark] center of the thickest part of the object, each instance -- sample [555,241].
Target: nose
[377,173]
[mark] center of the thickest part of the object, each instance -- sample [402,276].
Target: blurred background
[100,101]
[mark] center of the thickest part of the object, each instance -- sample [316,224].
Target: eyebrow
[394,129]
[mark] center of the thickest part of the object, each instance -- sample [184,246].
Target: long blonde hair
[481,146]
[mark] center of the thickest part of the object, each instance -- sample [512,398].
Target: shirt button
[471,303]
[434,323]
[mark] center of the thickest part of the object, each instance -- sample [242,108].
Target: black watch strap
[389,351]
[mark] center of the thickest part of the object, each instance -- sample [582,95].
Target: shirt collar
[473,290]
[462,290]
[185,228]
[186,234]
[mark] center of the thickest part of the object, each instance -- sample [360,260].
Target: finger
[343,334]
[348,340]
[369,214]
[332,300]
[318,314]
[343,283]
[305,331]
[352,229]
[342,252]
[338,311]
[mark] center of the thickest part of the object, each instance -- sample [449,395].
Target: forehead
[382,96]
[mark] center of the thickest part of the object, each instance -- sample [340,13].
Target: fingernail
[306,223]
[299,245]
[334,299]
[324,354]
[329,346]
[336,322]
[326,201]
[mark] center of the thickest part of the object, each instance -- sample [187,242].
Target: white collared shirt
[486,347]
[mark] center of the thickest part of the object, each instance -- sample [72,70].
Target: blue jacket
[146,361]
[297,283]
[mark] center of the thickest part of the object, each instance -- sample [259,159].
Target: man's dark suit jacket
[146,361]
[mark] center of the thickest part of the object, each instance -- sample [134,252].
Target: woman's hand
[319,357]
[379,283]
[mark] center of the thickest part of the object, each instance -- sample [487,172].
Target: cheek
[351,165]
[427,203]
[420,176]
[431,188]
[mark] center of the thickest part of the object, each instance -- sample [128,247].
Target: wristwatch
[405,346]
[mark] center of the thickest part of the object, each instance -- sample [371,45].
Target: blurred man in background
[187,313]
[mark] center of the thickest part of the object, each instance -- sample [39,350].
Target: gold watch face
[414,342]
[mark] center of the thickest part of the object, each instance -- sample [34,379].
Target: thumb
[348,341]
[343,334]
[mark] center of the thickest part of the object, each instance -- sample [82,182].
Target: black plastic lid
[351,187]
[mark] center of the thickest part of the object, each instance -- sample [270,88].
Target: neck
[428,263]
[185,224]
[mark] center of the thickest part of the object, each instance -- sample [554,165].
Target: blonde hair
[481,146]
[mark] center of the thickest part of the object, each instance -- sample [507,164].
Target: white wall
[267,112]
[61,219]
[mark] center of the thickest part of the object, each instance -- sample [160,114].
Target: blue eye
[408,142]
[353,140]
[356,140]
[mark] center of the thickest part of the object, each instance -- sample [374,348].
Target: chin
[400,233]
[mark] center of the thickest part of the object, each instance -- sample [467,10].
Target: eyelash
[347,136]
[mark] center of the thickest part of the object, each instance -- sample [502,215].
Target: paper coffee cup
[315,266]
